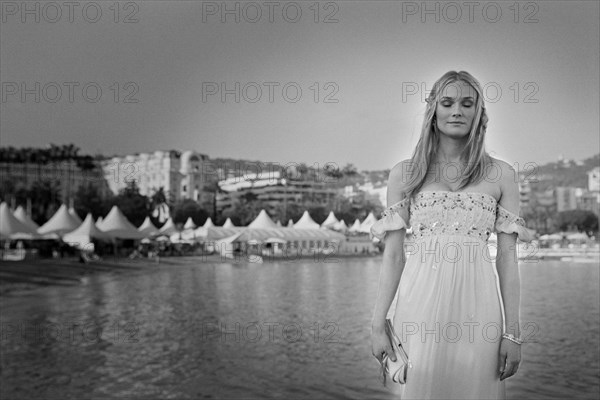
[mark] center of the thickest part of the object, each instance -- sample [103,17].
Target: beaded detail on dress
[469,214]
[451,213]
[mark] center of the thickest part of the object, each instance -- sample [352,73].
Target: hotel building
[178,173]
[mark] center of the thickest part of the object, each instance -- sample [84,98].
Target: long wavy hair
[473,154]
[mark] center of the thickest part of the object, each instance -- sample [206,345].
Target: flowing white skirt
[449,317]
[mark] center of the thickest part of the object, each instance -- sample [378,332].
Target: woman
[449,315]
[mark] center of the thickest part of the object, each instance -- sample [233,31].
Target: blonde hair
[474,155]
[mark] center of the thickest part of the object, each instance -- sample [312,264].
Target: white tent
[224,246]
[553,236]
[22,216]
[355,226]
[341,226]
[60,223]
[99,221]
[262,221]
[148,228]
[168,228]
[188,232]
[366,225]
[330,222]
[74,215]
[208,223]
[11,227]
[290,223]
[228,223]
[582,237]
[278,223]
[83,236]
[116,225]
[289,235]
[306,222]
[189,224]
[215,233]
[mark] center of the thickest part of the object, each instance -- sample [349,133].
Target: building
[590,198]
[594,179]
[180,174]
[375,193]
[274,190]
[524,191]
[566,198]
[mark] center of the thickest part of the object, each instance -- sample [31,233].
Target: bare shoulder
[508,180]
[397,181]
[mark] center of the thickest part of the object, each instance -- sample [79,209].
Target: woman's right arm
[391,270]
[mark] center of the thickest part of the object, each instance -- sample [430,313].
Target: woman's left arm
[508,275]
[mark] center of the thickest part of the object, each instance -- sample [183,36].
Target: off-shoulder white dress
[449,311]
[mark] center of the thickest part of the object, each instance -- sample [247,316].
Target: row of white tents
[67,225]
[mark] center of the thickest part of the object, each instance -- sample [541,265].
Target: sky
[313,82]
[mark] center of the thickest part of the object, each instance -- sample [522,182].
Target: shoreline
[35,273]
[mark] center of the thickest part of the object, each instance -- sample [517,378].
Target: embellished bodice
[470,214]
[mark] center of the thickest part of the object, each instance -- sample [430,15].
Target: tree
[349,170]
[244,209]
[133,205]
[189,208]
[582,220]
[45,199]
[332,172]
[89,200]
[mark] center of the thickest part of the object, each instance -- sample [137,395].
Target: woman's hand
[510,357]
[380,344]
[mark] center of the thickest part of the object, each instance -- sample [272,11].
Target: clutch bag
[397,370]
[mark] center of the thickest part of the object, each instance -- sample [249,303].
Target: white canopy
[74,215]
[223,245]
[22,216]
[290,223]
[208,223]
[168,228]
[341,226]
[553,236]
[215,233]
[306,222]
[262,221]
[60,223]
[286,234]
[366,225]
[189,224]
[147,227]
[116,225]
[82,236]
[11,227]
[355,226]
[578,236]
[228,223]
[330,222]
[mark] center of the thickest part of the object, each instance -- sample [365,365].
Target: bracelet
[512,338]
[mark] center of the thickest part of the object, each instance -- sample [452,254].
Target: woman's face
[455,110]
